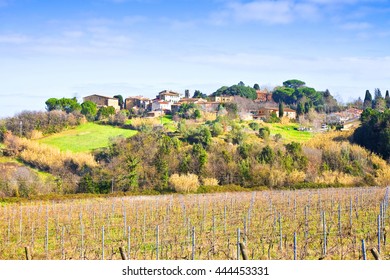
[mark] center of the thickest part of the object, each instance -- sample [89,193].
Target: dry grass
[210,182]
[184,183]
[141,122]
[45,157]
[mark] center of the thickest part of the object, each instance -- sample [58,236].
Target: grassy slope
[290,132]
[85,137]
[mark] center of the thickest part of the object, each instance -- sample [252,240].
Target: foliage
[294,83]
[24,123]
[367,103]
[295,92]
[374,132]
[254,126]
[216,129]
[89,109]
[105,112]
[237,90]
[184,183]
[199,94]
[210,182]
[201,135]
[64,104]
[264,132]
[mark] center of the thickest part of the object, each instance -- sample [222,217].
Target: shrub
[264,133]
[184,183]
[383,178]
[295,177]
[254,126]
[210,182]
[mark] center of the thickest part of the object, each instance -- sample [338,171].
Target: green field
[86,137]
[290,132]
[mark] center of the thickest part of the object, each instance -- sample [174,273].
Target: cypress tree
[367,100]
[281,110]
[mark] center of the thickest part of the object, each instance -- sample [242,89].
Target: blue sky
[131,47]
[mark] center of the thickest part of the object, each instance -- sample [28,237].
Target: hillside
[85,137]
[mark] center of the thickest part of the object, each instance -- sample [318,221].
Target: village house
[209,106]
[175,107]
[222,99]
[103,101]
[263,96]
[160,105]
[264,113]
[137,102]
[169,96]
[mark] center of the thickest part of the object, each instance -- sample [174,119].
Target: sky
[77,48]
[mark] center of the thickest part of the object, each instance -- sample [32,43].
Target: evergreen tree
[281,110]
[387,99]
[300,109]
[367,100]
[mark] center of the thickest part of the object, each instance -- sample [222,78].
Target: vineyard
[342,224]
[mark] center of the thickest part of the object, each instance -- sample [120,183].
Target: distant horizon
[140,47]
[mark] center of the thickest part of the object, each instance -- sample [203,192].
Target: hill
[86,137]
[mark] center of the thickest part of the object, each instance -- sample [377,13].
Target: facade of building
[169,96]
[267,112]
[222,99]
[160,105]
[137,101]
[103,101]
[263,96]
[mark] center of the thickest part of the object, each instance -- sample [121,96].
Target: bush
[184,183]
[210,182]
[264,133]
[254,126]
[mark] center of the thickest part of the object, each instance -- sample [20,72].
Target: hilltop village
[262,107]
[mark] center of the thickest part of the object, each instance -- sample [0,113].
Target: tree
[65,104]
[89,109]
[197,114]
[120,100]
[264,132]
[377,93]
[294,84]
[367,103]
[131,175]
[237,90]
[281,110]
[105,112]
[52,104]
[256,86]
[374,132]
[307,107]
[300,109]
[199,94]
